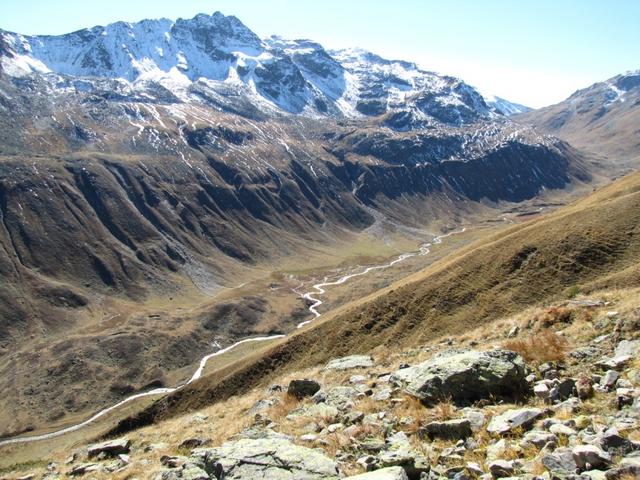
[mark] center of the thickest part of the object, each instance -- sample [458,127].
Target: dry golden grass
[545,346]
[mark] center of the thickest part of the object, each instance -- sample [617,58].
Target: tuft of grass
[545,346]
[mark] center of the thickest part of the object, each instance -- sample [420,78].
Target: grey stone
[303,388]
[560,429]
[609,379]
[466,376]
[512,419]
[110,448]
[588,457]
[172,461]
[614,443]
[450,429]
[85,468]
[538,438]
[191,443]
[615,363]
[353,361]
[593,475]
[389,473]
[340,397]
[627,347]
[560,461]
[501,468]
[476,418]
[267,459]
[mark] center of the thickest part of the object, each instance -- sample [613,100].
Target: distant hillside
[603,119]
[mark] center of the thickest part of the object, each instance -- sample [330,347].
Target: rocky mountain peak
[210,56]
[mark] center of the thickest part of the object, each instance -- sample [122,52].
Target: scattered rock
[501,468]
[172,461]
[84,468]
[615,363]
[191,443]
[303,388]
[109,448]
[266,459]
[538,438]
[352,361]
[390,473]
[512,419]
[609,380]
[560,462]
[450,429]
[466,376]
[627,347]
[589,457]
[614,443]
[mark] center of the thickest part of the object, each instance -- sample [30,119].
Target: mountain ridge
[222,49]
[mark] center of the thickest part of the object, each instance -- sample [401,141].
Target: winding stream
[317,289]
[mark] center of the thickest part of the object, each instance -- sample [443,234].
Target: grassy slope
[591,243]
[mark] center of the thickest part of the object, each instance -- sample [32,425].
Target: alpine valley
[169,188]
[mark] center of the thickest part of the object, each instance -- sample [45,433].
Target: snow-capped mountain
[213,56]
[505,107]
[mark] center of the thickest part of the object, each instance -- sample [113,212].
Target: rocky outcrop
[347,363]
[303,388]
[465,377]
[268,459]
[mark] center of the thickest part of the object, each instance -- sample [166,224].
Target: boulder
[352,361]
[501,468]
[450,430]
[538,438]
[466,376]
[512,419]
[191,443]
[339,397]
[615,443]
[400,453]
[303,388]
[84,468]
[609,379]
[390,473]
[627,347]
[560,462]
[266,459]
[110,448]
[589,457]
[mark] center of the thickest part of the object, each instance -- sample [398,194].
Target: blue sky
[533,52]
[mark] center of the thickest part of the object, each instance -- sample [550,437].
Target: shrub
[546,346]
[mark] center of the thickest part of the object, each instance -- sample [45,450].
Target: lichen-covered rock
[588,457]
[512,419]
[266,459]
[560,462]
[112,447]
[466,376]
[352,361]
[390,473]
